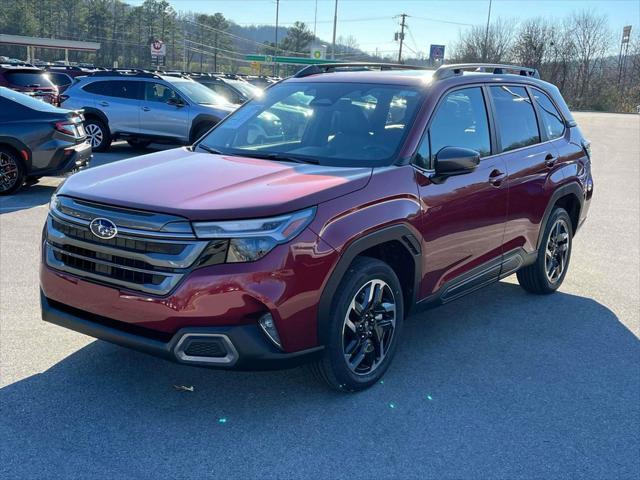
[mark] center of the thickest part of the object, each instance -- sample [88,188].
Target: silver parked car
[143,107]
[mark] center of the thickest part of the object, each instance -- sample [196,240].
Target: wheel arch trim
[572,188]
[401,233]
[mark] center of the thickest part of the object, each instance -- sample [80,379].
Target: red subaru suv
[308,224]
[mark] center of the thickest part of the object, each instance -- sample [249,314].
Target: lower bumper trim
[246,346]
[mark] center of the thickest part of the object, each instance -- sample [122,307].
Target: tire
[98,134]
[554,253]
[354,336]
[139,144]
[12,171]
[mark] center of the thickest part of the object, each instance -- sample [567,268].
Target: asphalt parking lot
[500,384]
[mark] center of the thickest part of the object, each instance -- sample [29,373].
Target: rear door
[464,215]
[532,164]
[163,112]
[119,100]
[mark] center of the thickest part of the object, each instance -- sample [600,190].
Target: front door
[464,215]
[163,113]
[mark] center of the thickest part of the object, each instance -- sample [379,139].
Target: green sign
[293,60]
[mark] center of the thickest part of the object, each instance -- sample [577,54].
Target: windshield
[196,92]
[344,124]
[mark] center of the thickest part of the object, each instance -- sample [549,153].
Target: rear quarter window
[515,117]
[553,121]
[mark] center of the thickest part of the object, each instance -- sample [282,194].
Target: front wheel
[366,320]
[548,272]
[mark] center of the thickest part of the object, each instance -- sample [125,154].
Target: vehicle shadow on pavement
[501,384]
[28,197]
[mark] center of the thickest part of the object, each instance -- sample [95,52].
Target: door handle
[146,109]
[104,104]
[496,177]
[550,160]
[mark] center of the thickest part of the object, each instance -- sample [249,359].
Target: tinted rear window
[28,79]
[553,121]
[59,78]
[516,118]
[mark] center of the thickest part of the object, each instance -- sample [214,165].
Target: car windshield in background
[342,124]
[246,88]
[29,79]
[196,92]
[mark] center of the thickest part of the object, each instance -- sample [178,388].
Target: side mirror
[176,102]
[456,160]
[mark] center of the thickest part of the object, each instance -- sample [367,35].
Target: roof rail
[125,73]
[446,71]
[330,67]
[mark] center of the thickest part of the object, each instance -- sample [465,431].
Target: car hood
[203,186]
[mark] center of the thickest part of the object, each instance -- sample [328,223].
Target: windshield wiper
[209,149]
[279,157]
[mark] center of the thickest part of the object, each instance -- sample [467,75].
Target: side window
[98,88]
[460,121]
[124,89]
[516,119]
[553,121]
[157,92]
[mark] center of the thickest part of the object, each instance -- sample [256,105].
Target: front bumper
[239,347]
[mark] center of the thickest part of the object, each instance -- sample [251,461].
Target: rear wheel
[12,171]
[98,134]
[366,320]
[548,272]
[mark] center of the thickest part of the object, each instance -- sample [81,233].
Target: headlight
[53,203]
[251,240]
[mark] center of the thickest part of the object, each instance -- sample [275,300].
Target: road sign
[290,60]
[436,52]
[626,34]
[158,48]
[318,52]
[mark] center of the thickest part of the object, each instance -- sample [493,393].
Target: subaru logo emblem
[103,228]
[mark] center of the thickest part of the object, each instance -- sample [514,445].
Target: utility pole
[401,36]
[275,53]
[315,21]
[335,24]
[486,36]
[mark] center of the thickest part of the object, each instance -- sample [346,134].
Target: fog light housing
[269,328]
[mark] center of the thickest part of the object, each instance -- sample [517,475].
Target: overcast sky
[373,22]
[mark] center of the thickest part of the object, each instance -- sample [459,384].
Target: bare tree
[471,44]
[592,40]
[531,42]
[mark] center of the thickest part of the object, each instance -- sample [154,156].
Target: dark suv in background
[392,189]
[31,81]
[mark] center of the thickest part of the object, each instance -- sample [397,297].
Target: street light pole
[486,36]
[335,24]
[315,20]
[275,53]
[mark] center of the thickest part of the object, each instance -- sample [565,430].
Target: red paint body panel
[287,282]
[203,186]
